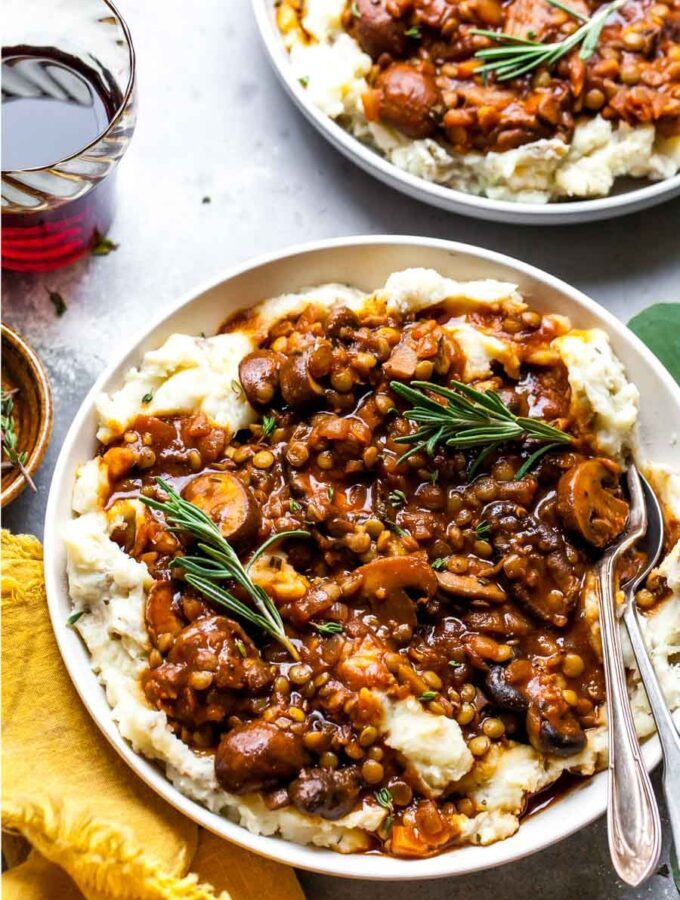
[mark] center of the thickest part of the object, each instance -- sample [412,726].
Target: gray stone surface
[215,123]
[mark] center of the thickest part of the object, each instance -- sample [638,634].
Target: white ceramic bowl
[631,197]
[364,262]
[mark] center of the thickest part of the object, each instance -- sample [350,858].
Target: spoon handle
[633,820]
[665,727]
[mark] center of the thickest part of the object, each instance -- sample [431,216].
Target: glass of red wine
[68,113]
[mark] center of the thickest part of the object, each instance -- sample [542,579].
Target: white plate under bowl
[628,197]
[364,262]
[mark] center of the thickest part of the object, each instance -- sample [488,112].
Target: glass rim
[119,111]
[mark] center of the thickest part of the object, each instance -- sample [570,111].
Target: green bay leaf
[658,327]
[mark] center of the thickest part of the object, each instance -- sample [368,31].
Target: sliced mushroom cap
[471,587]
[161,615]
[228,502]
[258,373]
[328,793]
[558,736]
[588,502]
[258,756]
[390,583]
[298,386]
[409,99]
[504,695]
[376,31]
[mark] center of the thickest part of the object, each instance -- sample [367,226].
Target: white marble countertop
[214,122]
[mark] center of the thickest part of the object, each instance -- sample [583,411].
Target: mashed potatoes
[333,69]
[109,588]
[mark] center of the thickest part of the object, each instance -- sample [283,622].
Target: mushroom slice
[298,386]
[471,587]
[228,502]
[556,735]
[504,694]
[258,756]
[588,503]
[258,373]
[160,614]
[391,582]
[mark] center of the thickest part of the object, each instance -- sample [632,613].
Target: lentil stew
[425,80]
[442,578]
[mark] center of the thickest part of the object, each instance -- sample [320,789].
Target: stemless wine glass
[76,58]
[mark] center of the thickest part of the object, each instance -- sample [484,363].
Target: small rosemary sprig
[469,418]
[515,56]
[218,562]
[13,458]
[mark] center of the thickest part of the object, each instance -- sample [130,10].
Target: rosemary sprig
[469,419]
[515,56]
[218,562]
[13,457]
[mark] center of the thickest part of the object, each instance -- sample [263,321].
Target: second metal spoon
[665,727]
[633,821]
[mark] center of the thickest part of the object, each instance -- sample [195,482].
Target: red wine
[53,108]
[65,114]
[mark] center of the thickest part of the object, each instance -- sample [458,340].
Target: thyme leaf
[12,457]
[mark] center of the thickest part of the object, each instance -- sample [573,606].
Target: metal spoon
[633,821]
[669,738]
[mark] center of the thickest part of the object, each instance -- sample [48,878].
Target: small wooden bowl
[33,413]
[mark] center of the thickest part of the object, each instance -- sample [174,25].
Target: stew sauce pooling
[418,579]
[423,80]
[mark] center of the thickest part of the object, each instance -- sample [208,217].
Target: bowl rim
[324,861]
[451,199]
[40,378]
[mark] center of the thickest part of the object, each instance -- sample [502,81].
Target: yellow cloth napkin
[77,822]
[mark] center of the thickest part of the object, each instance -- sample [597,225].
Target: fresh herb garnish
[268,425]
[304,80]
[426,696]
[328,627]
[236,387]
[384,798]
[330,493]
[529,463]
[469,419]
[148,397]
[57,302]
[455,664]
[480,459]
[482,530]
[438,564]
[397,529]
[73,618]
[294,506]
[355,10]
[515,56]
[241,647]
[13,458]
[414,32]
[397,498]
[434,476]
[103,246]
[218,562]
